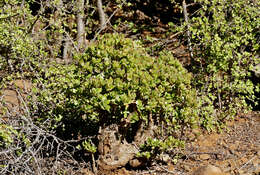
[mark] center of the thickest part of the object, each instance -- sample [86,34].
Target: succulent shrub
[115,81]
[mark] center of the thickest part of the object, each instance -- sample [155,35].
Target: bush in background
[225,38]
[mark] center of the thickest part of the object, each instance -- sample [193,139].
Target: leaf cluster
[154,147]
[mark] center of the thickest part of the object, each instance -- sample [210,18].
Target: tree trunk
[102,16]
[80,24]
[65,54]
[186,18]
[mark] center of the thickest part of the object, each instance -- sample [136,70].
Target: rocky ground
[236,150]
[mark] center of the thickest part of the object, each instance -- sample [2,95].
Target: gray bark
[101,13]
[185,13]
[65,54]
[80,24]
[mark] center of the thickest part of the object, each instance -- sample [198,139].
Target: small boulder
[208,170]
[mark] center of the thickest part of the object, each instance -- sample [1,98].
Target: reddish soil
[236,150]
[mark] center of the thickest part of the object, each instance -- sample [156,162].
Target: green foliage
[154,147]
[224,38]
[18,52]
[9,136]
[89,146]
[114,81]
[6,135]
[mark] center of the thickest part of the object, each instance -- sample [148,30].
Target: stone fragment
[204,156]
[208,170]
[135,163]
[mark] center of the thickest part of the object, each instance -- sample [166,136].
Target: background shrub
[20,55]
[225,38]
[18,51]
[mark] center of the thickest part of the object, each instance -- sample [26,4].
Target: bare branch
[107,21]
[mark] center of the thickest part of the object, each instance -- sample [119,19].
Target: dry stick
[94,164]
[20,97]
[64,38]
[35,160]
[185,13]
[71,40]
[100,30]
[247,163]
[219,100]
[105,24]
[39,133]
[22,160]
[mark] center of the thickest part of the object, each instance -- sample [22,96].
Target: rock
[165,158]
[204,156]
[122,171]
[135,163]
[258,153]
[11,98]
[119,157]
[208,170]
[24,85]
[114,153]
[14,96]
[86,171]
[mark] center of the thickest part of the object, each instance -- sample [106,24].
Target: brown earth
[236,151]
[14,95]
